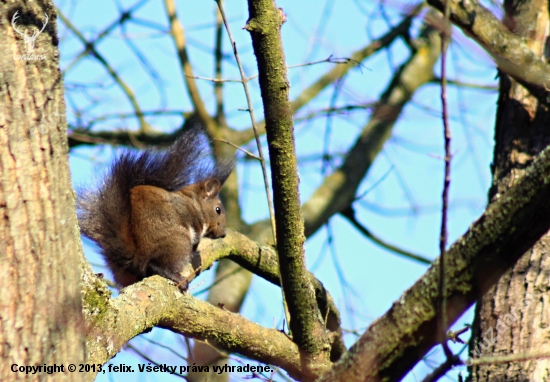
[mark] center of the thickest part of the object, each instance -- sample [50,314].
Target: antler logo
[29,40]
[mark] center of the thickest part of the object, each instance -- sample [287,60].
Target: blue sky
[404,206]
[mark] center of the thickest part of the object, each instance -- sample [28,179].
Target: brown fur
[154,207]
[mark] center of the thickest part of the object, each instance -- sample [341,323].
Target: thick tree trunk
[41,320]
[514,317]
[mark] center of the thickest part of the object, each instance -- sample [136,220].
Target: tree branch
[394,343]
[306,323]
[263,262]
[113,322]
[90,46]
[339,71]
[509,51]
[349,213]
[157,302]
[339,188]
[187,70]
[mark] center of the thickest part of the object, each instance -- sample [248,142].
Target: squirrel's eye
[218,210]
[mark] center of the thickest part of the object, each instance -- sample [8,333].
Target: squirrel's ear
[211,187]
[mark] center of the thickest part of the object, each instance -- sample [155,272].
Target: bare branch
[339,71]
[252,118]
[349,214]
[394,343]
[187,70]
[444,35]
[305,323]
[144,126]
[339,188]
[508,358]
[508,50]
[157,302]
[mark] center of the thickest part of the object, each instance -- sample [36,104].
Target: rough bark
[230,288]
[391,346]
[521,133]
[507,47]
[306,324]
[41,268]
[399,339]
[41,321]
[156,302]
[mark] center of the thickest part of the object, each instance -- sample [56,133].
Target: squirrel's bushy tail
[104,212]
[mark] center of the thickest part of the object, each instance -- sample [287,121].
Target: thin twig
[214,80]
[326,144]
[178,35]
[218,86]
[339,71]
[144,126]
[168,348]
[330,59]
[445,31]
[240,148]
[219,279]
[258,143]
[442,369]
[350,215]
[507,359]
[379,181]
[124,17]
[252,118]
[455,336]
[468,85]
[342,60]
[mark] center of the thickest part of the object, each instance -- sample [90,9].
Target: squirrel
[153,207]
